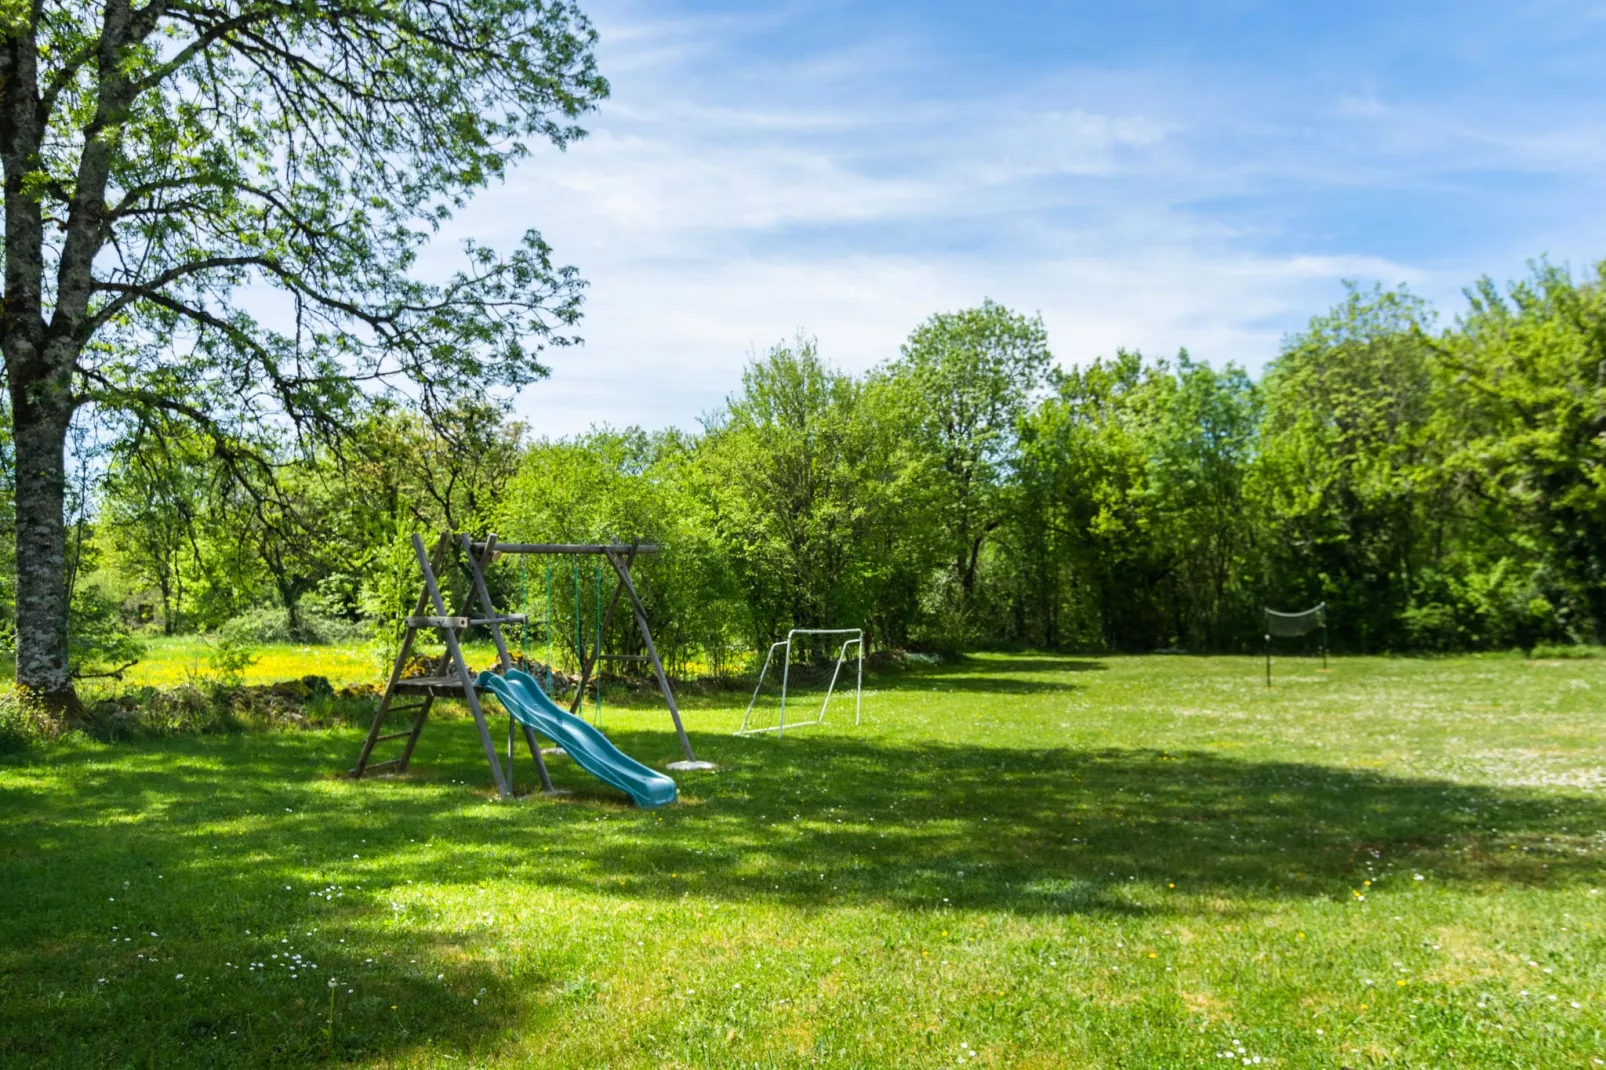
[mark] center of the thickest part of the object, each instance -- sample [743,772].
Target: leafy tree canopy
[174,168]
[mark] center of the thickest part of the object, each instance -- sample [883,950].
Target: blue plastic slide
[530,706]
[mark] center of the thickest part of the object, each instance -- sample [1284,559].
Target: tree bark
[38,376]
[41,412]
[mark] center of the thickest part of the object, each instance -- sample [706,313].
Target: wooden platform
[425,684]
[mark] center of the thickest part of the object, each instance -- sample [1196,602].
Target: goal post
[1294,625]
[853,638]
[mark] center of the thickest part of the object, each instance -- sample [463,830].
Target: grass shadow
[228,846]
[1010,663]
[827,821]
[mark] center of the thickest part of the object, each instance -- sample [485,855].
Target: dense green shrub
[1567,650]
[272,624]
[98,638]
[24,722]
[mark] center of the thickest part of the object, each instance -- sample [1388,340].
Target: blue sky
[1145,174]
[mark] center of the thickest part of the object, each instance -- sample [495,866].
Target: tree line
[1439,489]
[229,386]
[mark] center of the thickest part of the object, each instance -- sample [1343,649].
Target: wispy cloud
[745,183]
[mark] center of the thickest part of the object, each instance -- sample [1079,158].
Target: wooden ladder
[450,677]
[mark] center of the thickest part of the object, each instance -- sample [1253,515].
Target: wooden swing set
[450,677]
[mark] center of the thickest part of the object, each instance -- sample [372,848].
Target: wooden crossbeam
[438,622]
[566,547]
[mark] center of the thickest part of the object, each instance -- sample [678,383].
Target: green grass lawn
[1023,860]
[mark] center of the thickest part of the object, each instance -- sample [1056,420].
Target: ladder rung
[374,767]
[405,709]
[437,622]
[394,735]
[625,657]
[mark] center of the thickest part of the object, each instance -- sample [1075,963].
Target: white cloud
[681,358]
[726,201]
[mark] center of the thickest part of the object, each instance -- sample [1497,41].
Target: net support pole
[786,676]
[1268,659]
[766,667]
[858,690]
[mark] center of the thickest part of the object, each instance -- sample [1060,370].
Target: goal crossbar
[855,639]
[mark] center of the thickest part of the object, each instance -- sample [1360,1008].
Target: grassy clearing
[1018,861]
[177,660]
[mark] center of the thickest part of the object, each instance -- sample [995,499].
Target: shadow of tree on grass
[217,837]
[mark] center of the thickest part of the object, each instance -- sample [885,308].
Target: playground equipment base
[685,766]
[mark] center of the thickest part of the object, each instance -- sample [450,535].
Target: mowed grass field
[1018,860]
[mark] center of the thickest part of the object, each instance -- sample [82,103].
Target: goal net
[1292,625]
[849,639]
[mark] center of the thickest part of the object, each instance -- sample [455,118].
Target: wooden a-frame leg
[454,654]
[480,592]
[418,727]
[384,707]
[540,762]
[400,666]
[535,753]
[690,761]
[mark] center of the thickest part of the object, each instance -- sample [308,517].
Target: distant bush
[1572,650]
[98,639]
[230,656]
[271,624]
[149,712]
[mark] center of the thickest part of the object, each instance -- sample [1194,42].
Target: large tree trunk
[38,374]
[41,412]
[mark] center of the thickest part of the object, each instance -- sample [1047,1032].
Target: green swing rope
[524,606]
[579,632]
[579,626]
[547,624]
[596,649]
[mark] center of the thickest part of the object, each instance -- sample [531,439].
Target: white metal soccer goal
[855,639]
